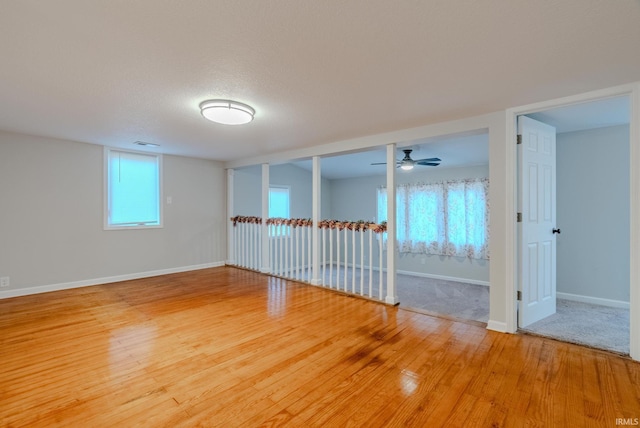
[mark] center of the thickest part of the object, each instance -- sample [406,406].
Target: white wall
[593,213]
[355,199]
[51,217]
[247,190]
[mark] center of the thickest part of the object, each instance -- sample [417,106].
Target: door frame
[633,92]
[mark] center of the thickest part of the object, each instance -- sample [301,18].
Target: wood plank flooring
[227,347]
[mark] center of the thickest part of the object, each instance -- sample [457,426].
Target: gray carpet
[450,298]
[586,324]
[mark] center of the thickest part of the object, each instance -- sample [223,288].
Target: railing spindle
[286,234]
[300,252]
[244,244]
[247,250]
[252,246]
[361,262]
[353,261]
[324,256]
[294,253]
[276,249]
[309,253]
[346,255]
[249,246]
[338,259]
[259,246]
[278,231]
[239,259]
[380,266]
[235,244]
[291,270]
[272,250]
[370,263]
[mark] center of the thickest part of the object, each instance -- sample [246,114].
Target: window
[279,201]
[279,204]
[132,189]
[447,218]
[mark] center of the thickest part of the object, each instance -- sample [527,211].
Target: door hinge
[519,295]
[519,139]
[519,217]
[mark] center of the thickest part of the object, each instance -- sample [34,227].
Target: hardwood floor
[228,347]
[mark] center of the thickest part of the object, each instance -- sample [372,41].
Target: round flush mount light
[227,112]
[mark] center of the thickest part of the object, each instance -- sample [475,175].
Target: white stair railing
[247,235]
[355,256]
[351,252]
[290,246]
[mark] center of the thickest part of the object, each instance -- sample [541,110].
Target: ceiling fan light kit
[406,166]
[227,112]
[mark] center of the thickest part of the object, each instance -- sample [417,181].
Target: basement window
[133,189]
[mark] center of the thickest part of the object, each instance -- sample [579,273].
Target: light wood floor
[228,347]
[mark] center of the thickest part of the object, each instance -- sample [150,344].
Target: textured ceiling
[454,151]
[116,71]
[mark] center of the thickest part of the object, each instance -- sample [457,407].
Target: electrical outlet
[4,281]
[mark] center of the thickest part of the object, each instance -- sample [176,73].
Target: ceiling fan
[407,163]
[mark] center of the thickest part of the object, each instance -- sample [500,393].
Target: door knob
[556,231]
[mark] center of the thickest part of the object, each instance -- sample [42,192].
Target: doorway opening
[592,239]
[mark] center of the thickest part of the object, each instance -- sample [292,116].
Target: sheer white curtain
[445,218]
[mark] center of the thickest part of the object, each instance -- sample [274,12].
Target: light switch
[169,200]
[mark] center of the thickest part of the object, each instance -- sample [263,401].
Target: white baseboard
[593,300]
[427,275]
[105,280]
[444,278]
[498,326]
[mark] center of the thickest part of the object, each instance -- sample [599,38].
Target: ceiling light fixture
[227,112]
[406,166]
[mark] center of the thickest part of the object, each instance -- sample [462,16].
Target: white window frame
[106,205]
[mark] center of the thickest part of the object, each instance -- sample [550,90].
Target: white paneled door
[537,227]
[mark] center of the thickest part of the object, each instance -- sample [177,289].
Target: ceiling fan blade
[383,163]
[407,159]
